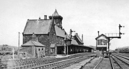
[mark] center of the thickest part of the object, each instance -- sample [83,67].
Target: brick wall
[44,39]
[26,38]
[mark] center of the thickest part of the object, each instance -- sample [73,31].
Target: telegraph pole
[18,43]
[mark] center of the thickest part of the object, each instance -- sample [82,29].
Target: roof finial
[55,13]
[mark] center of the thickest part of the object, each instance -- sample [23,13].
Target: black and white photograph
[64,34]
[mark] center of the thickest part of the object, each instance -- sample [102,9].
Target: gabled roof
[67,37]
[60,32]
[74,42]
[33,43]
[38,26]
[101,35]
[79,39]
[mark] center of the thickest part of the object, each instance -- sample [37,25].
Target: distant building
[49,32]
[102,43]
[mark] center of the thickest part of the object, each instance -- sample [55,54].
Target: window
[52,50]
[102,42]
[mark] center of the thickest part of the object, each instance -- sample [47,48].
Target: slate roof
[74,42]
[55,13]
[76,35]
[33,43]
[43,26]
[101,35]
[38,26]
[60,32]
[68,37]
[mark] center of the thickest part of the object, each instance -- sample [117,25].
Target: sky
[83,16]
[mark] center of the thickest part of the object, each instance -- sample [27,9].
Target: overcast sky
[84,16]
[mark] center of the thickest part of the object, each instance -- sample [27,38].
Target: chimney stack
[45,17]
[98,33]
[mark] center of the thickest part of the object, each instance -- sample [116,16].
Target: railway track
[119,62]
[51,63]
[114,63]
[97,65]
[104,63]
[61,64]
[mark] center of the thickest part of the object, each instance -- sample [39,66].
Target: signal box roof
[101,36]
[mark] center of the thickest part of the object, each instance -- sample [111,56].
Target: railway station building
[49,32]
[75,46]
[53,37]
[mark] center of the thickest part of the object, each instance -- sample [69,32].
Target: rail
[112,67]
[52,63]
[116,62]
[122,62]
[98,64]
